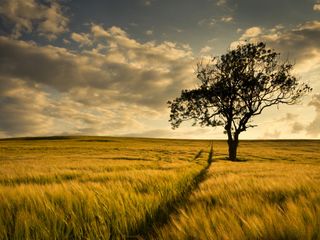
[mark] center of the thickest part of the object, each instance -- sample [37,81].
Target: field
[126,188]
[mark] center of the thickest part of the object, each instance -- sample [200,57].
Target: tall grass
[89,194]
[118,188]
[251,200]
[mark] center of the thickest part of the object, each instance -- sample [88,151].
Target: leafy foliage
[236,87]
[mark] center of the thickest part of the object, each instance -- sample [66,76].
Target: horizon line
[159,138]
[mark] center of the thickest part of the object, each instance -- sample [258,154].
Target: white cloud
[108,88]
[29,15]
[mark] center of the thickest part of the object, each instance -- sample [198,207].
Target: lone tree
[236,87]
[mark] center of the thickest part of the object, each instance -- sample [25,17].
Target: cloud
[316,6]
[290,120]
[251,33]
[147,2]
[22,109]
[297,127]
[221,2]
[206,50]
[275,134]
[289,117]
[149,32]
[226,19]
[313,129]
[300,44]
[30,110]
[209,22]
[119,63]
[107,88]
[20,59]
[181,133]
[81,38]
[28,15]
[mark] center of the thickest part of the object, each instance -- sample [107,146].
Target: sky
[108,68]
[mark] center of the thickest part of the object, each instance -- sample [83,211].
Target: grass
[118,188]
[278,198]
[90,188]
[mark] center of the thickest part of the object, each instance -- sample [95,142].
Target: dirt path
[146,230]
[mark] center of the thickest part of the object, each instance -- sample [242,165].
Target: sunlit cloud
[149,32]
[29,15]
[313,128]
[226,19]
[221,2]
[81,38]
[251,33]
[118,76]
[64,70]
[316,6]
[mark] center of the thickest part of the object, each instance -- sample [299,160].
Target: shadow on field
[238,159]
[161,216]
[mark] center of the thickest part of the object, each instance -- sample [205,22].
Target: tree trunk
[233,145]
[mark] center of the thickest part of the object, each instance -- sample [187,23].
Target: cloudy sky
[109,67]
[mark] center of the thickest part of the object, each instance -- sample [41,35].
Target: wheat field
[131,188]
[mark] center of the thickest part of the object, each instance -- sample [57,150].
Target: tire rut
[147,228]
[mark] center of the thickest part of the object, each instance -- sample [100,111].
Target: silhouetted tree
[236,87]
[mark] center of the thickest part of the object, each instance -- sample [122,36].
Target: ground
[118,188]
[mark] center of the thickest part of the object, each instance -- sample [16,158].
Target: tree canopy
[234,88]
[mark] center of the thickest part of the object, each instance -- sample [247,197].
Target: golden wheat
[117,188]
